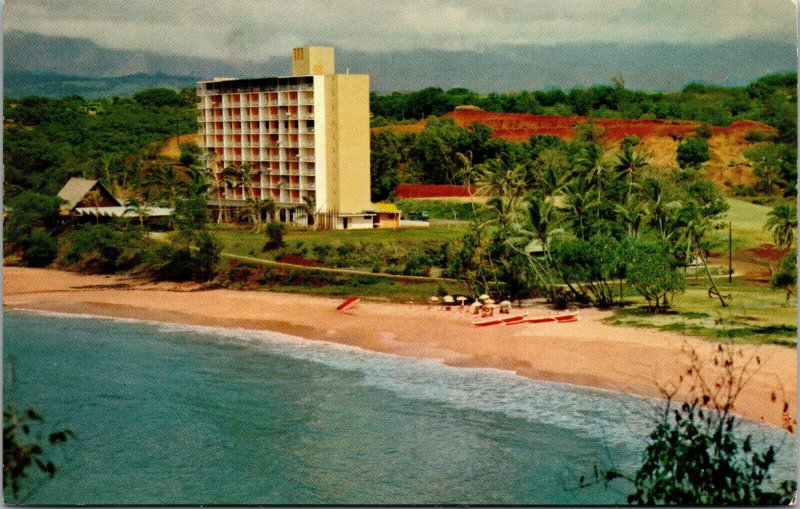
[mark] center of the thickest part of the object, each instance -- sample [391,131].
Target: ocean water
[167,414]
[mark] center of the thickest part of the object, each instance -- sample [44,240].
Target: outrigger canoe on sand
[346,304]
[569,317]
[498,321]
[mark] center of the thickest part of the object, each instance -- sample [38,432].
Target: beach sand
[587,352]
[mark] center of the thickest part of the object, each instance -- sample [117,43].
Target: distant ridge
[650,67]
[24,83]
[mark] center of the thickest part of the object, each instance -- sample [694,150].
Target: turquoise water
[168,414]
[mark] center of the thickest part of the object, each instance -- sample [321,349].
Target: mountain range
[58,66]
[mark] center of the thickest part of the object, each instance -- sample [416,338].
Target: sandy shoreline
[586,352]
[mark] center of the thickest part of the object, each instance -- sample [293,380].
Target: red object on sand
[498,321]
[571,317]
[346,304]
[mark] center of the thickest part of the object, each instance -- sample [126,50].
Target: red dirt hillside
[659,137]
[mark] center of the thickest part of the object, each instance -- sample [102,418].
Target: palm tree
[136,206]
[553,178]
[269,207]
[164,178]
[96,198]
[467,174]
[634,214]
[543,218]
[580,200]
[307,208]
[228,179]
[198,184]
[594,169]
[696,226]
[782,222]
[628,163]
[497,178]
[662,212]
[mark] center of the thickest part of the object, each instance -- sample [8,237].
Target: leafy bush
[275,232]
[207,256]
[102,248]
[165,262]
[695,455]
[30,211]
[417,265]
[703,131]
[190,153]
[786,275]
[757,135]
[39,249]
[692,152]
[651,270]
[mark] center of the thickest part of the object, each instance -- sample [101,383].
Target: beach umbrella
[505,303]
[433,299]
[483,297]
[448,299]
[475,304]
[489,301]
[461,299]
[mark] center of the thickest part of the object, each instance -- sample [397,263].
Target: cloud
[259,29]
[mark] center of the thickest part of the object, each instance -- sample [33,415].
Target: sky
[260,29]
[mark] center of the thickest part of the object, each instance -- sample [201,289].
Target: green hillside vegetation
[769,99]
[47,141]
[573,222]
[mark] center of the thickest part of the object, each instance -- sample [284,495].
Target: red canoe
[346,304]
[571,317]
[498,321]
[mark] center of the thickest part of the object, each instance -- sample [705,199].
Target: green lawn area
[241,274]
[244,242]
[248,243]
[755,313]
[748,222]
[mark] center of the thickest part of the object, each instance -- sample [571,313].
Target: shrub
[692,152]
[102,248]
[629,141]
[786,275]
[275,233]
[207,256]
[695,455]
[39,249]
[651,270]
[417,265]
[166,263]
[703,131]
[757,135]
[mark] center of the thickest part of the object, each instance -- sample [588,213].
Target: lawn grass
[255,275]
[248,243]
[747,224]
[755,313]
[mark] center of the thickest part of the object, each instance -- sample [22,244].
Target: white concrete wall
[355,223]
[320,147]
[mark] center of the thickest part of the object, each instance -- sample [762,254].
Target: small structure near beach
[90,198]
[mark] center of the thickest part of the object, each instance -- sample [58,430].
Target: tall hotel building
[305,139]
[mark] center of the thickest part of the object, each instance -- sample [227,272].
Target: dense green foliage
[775,165]
[692,152]
[30,226]
[103,248]
[772,99]
[652,270]
[695,458]
[47,141]
[696,454]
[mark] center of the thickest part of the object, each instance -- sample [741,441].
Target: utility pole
[730,252]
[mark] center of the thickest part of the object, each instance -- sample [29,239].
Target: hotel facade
[304,139]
